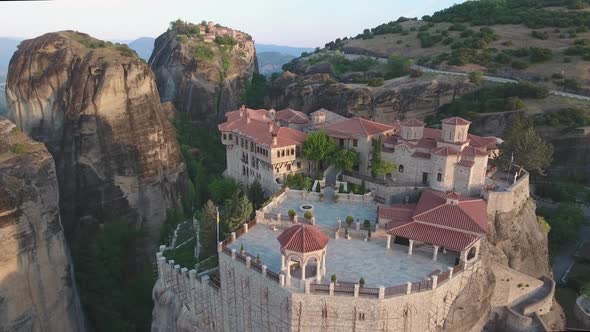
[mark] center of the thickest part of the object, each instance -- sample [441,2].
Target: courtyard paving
[352,259]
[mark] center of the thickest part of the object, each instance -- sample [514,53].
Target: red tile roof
[445,151]
[412,123]
[447,238]
[456,121]
[291,116]
[487,142]
[258,129]
[446,219]
[466,163]
[303,238]
[422,155]
[358,127]
[396,215]
[472,151]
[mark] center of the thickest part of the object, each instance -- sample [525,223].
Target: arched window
[471,253]
[400,168]
[439,177]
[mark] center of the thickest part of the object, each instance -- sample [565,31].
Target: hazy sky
[305,23]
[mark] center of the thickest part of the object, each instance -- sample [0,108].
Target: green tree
[382,168]
[527,147]
[319,147]
[476,77]
[345,160]
[208,229]
[377,149]
[397,66]
[237,211]
[256,91]
[256,194]
[222,189]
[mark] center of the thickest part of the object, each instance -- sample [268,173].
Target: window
[325,313]
[355,142]
[292,151]
[230,136]
[361,316]
[224,136]
[288,167]
[282,153]
[341,142]
[298,165]
[400,168]
[439,177]
[278,154]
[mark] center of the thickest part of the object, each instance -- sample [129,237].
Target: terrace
[348,259]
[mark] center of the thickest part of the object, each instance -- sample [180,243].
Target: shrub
[362,282]
[516,64]
[540,35]
[416,72]
[291,213]
[349,220]
[203,52]
[367,224]
[307,215]
[572,84]
[183,39]
[333,278]
[476,77]
[226,40]
[375,82]
[19,148]
[540,54]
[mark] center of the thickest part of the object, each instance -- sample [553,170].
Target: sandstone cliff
[97,108]
[203,69]
[399,98]
[37,285]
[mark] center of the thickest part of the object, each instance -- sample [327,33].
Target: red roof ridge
[455,120]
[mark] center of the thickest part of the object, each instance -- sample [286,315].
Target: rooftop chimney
[274,139]
[271,126]
[247,117]
[242,111]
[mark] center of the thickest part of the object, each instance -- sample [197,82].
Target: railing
[272,275]
[422,285]
[320,288]
[443,277]
[241,257]
[395,290]
[369,292]
[344,289]
[459,267]
[256,266]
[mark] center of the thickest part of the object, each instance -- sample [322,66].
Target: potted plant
[258,258]
[346,235]
[349,220]
[307,215]
[333,278]
[291,214]
[369,235]
[242,251]
[321,196]
[367,224]
[336,196]
[362,282]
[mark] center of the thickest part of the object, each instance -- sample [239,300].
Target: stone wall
[390,194]
[507,288]
[511,199]
[580,313]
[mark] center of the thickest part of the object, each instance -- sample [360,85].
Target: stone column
[318,272]
[288,281]
[435,253]
[411,247]
[356,290]
[324,263]
[303,271]
[279,217]
[282,280]
[450,272]
[307,287]
[219,247]
[339,223]
[248,261]
[263,270]
[282,262]
[233,236]
[245,228]
[388,241]
[434,281]
[381,292]
[233,254]
[331,288]
[295,219]
[408,287]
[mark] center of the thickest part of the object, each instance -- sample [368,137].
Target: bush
[397,66]
[291,213]
[540,35]
[539,54]
[476,77]
[333,278]
[571,84]
[416,72]
[362,282]
[203,52]
[307,215]
[367,224]
[516,64]
[226,40]
[375,82]
[19,148]
[349,220]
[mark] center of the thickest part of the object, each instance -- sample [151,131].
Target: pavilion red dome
[303,238]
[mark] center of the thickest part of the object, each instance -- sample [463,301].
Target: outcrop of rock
[96,107]
[37,285]
[203,69]
[403,97]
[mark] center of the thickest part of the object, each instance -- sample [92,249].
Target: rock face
[403,97]
[203,69]
[37,285]
[96,107]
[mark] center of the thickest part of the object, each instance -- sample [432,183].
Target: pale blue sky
[305,23]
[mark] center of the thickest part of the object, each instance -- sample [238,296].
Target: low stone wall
[543,305]
[507,288]
[390,194]
[512,199]
[580,313]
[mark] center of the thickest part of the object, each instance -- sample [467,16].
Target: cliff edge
[37,285]
[96,106]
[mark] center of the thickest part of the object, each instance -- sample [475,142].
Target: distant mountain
[294,51]
[143,46]
[272,62]
[7,48]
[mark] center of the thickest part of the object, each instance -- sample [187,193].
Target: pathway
[500,80]
[331,175]
[534,297]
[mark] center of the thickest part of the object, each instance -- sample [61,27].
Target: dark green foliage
[540,35]
[256,194]
[528,12]
[208,229]
[349,220]
[565,222]
[341,64]
[114,278]
[571,84]
[221,189]
[173,218]
[528,149]
[494,98]
[375,82]
[299,182]
[517,64]
[367,224]
[203,52]
[563,190]
[397,66]
[345,160]
[307,215]
[318,146]
[291,213]
[226,40]
[255,92]
[235,212]
[540,54]
[568,117]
